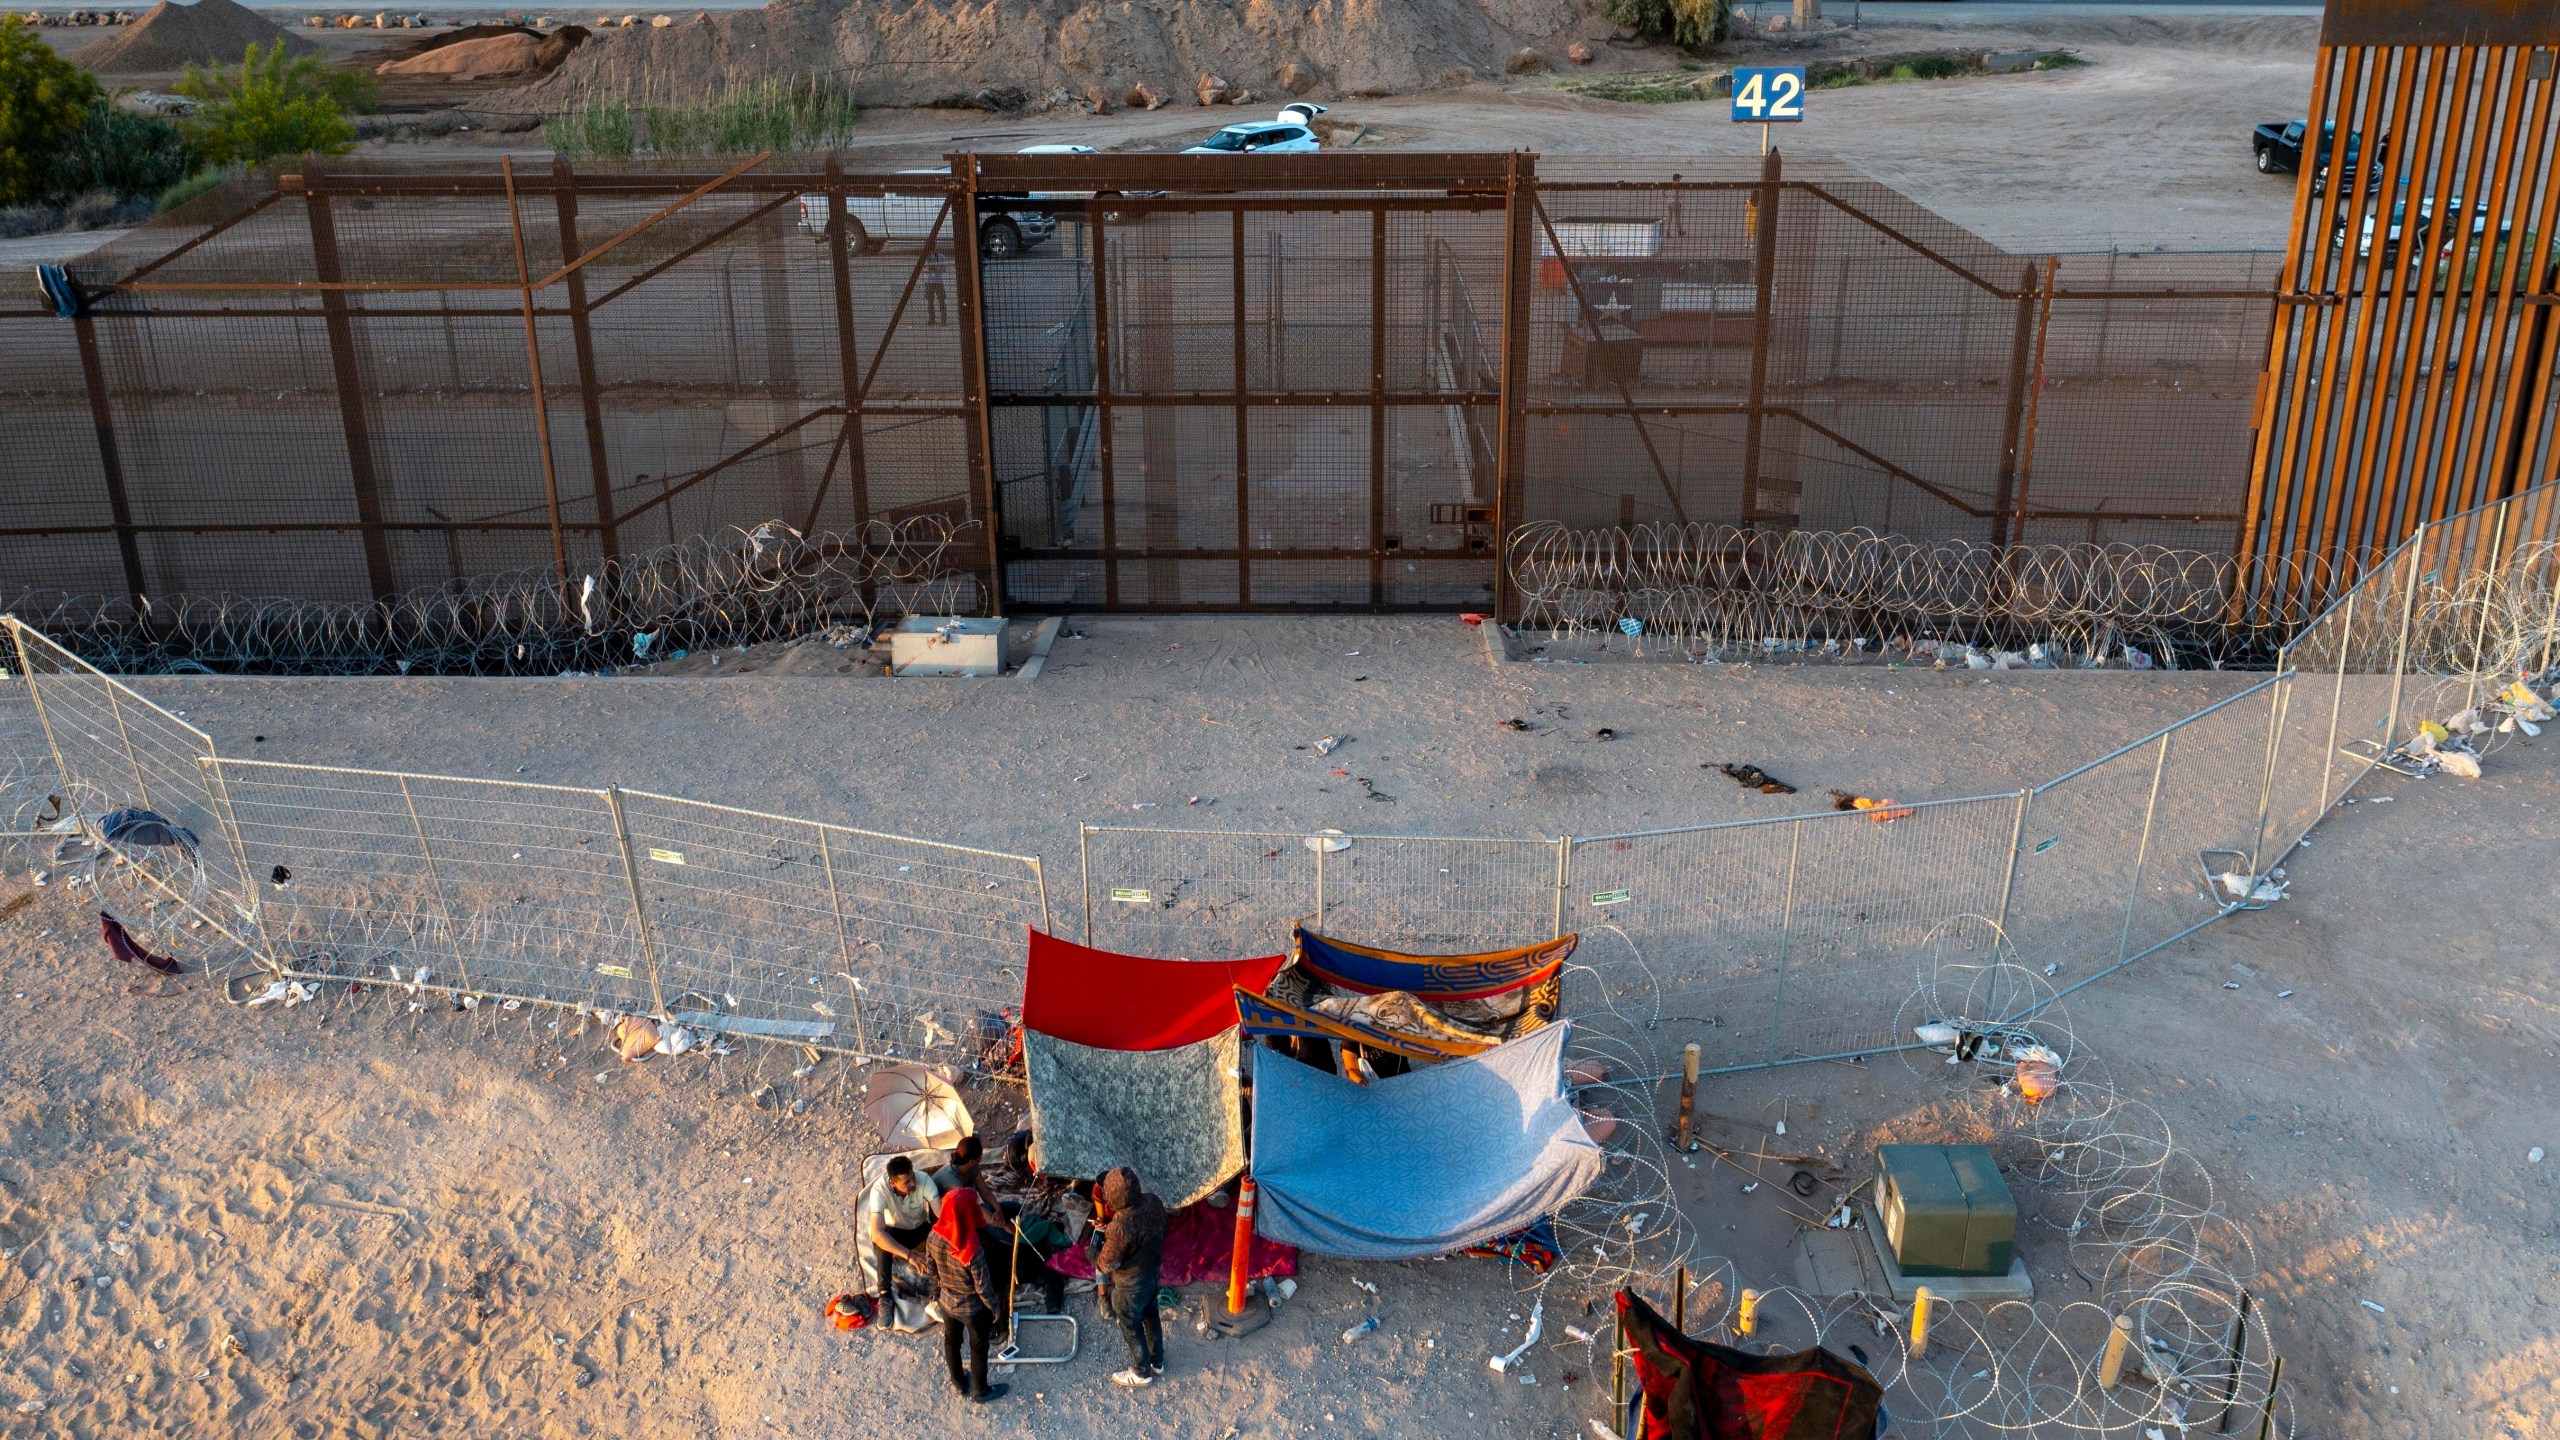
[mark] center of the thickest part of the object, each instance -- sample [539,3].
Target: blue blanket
[1425,1163]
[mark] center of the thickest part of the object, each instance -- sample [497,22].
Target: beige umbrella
[915,1108]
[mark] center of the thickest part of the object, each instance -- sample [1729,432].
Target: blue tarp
[1424,1163]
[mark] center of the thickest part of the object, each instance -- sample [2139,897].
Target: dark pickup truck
[2279,148]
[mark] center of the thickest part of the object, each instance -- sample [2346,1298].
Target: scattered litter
[1576,1332]
[2376,1309]
[2255,891]
[2284,994]
[1782,1127]
[1752,777]
[1537,1323]
[2053,969]
[1471,618]
[1754,1185]
[1363,1328]
[1516,723]
[1330,743]
[1604,733]
[1630,626]
[635,1036]
[2533,1156]
[2457,762]
[1328,841]
[2230,984]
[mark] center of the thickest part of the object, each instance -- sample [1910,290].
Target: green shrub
[604,129]
[1691,24]
[273,104]
[123,153]
[44,101]
[768,115]
[203,182]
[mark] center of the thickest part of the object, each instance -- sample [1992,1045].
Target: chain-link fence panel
[476,887]
[141,816]
[1788,939]
[872,944]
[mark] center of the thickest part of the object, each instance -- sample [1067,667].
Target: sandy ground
[448,1224]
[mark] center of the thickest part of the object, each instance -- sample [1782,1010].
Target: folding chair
[1012,1351]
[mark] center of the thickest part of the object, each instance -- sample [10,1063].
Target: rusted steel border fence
[1154,382]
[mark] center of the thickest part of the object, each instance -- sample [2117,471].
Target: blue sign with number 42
[1763,94]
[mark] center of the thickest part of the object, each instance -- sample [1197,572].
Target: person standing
[965,1286]
[937,308]
[1131,1265]
[902,1205]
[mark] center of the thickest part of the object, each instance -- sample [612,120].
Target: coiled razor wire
[2144,1236]
[743,587]
[1720,592]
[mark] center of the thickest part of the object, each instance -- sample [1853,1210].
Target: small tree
[44,100]
[274,104]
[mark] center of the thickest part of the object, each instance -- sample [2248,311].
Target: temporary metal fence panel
[1202,894]
[874,944]
[115,751]
[487,887]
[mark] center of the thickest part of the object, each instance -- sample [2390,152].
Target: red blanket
[1125,1002]
[1199,1246]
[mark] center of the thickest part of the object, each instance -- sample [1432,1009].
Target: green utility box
[1946,1210]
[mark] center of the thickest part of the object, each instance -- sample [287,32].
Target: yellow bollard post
[1749,1315]
[1920,1323]
[2111,1367]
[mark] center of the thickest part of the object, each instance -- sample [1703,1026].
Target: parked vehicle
[1293,133]
[2278,145]
[2438,240]
[879,220]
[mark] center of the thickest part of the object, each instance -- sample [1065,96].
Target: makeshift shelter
[1433,1161]
[1133,1061]
[1696,1390]
[1425,1008]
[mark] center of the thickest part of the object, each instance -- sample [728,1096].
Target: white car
[1291,134]
[878,220]
[1059,150]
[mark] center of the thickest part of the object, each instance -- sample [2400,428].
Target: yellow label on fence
[668,857]
[618,972]
[1612,897]
[1133,897]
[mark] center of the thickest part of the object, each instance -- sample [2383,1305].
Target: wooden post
[1920,1323]
[2111,1366]
[1618,1375]
[1747,1318]
[968,270]
[1519,259]
[1238,1270]
[1688,1095]
[1680,1301]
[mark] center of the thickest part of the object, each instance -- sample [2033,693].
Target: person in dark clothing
[1018,1263]
[1131,1264]
[964,1285]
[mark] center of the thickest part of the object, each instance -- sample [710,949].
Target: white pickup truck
[879,220]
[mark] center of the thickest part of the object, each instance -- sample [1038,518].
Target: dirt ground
[431,1223]
[2146,146]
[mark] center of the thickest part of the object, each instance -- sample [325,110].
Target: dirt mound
[490,55]
[173,36]
[910,54]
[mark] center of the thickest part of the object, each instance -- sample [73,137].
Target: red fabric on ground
[1199,1246]
[1126,1002]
